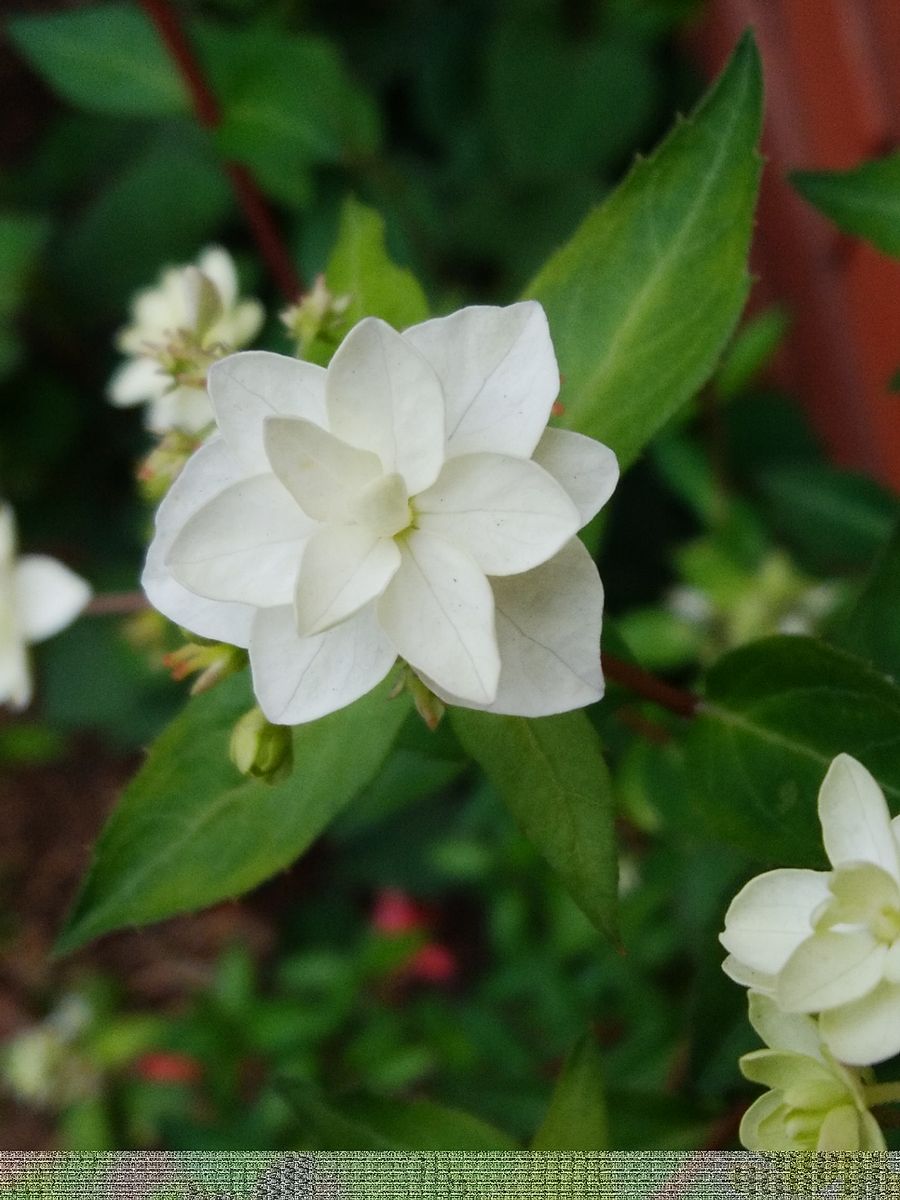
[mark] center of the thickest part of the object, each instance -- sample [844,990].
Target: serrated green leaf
[104,58]
[551,775]
[864,201]
[646,293]
[775,714]
[871,628]
[576,1116]
[189,830]
[360,267]
[361,1122]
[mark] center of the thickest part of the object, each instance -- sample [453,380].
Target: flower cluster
[813,1102]
[178,328]
[408,501]
[826,944]
[38,597]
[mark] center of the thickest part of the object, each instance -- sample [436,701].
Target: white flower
[38,597]
[814,1103]
[829,941]
[407,501]
[191,318]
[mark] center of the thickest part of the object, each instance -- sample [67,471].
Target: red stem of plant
[642,683]
[116,604]
[250,199]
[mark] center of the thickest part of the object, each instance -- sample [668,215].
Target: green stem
[882,1093]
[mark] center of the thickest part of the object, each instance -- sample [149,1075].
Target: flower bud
[163,464]
[210,661]
[260,749]
[319,316]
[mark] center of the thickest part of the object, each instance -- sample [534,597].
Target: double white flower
[38,597]
[407,501]
[813,1103]
[190,318]
[828,942]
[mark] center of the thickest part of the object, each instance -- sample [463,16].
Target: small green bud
[260,749]
[428,706]
[319,315]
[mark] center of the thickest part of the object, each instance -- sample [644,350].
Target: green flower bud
[260,749]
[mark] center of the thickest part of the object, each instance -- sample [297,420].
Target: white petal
[548,634]
[15,670]
[439,612]
[866,1031]
[763,1125]
[588,470]
[856,824]
[48,596]
[136,381]
[208,472]
[300,679]
[384,397]
[185,408]
[320,471]
[239,325]
[840,1131]
[218,266]
[830,969]
[509,514]
[344,567]
[244,545]
[7,535]
[246,388]
[861,892]
[499,374]
[771,915]
[781,1030]
[747,977]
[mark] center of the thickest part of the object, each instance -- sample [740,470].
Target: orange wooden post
[832,100]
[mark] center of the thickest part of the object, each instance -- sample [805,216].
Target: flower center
[382,506]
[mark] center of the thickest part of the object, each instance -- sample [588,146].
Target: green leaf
[834,520]
[104,58]
[775,714]
[751,350]
[190,831]
[871,629]
[360,267]
[288,104]
[576,1117]
[370,1123]
[647,292]
[864,201]
[551,774]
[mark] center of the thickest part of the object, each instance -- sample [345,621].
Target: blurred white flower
[38,597]
[828,942]
[178,328]
[813,1103]
[407,501]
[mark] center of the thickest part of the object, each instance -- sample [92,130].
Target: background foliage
[425,155]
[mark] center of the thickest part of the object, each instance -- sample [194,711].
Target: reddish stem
[642,683]
[116,604]
[251,201]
